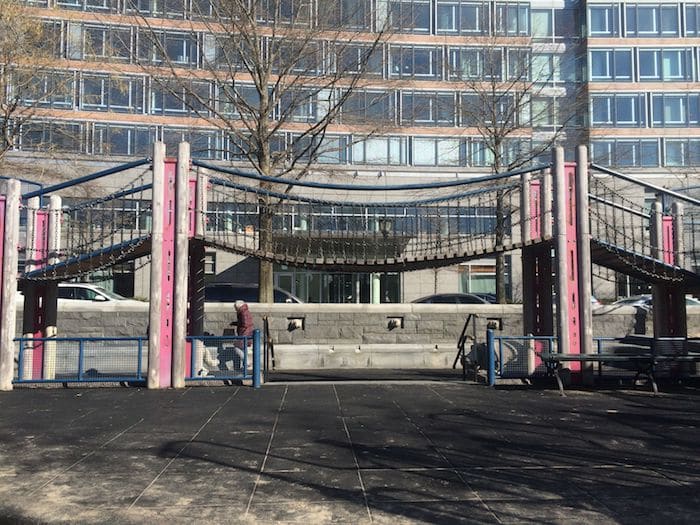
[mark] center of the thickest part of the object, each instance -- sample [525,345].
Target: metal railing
[234,358]
[80,359]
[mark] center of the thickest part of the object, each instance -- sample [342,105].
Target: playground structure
[562,216]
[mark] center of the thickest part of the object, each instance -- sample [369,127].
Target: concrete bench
[370,355]
[645,362]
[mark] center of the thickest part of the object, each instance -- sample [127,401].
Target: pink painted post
[41,244]
[572,301]
[3,200]
[667,239]
[167,281]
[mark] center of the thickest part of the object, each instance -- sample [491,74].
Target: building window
[475,63]
[363,106]
[435,152]
[652,20]
[107,93]
[415,62]
[602,20]
[608,64]
[427,109]
[512,19]
[109,139]
[410,15]
[665,64]
[462,17]
[626,152]
[617,110]
[681,152]
[210,263]
[380,150]
[674,110]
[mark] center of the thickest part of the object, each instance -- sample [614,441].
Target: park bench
[644,361]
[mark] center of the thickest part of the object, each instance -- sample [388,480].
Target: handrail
[86,178]
[326,202]
[366,187]
[654,187]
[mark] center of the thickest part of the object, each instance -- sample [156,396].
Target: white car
[87,293]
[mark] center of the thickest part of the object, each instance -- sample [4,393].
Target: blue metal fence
[515,357]
[80,359]
[234,358]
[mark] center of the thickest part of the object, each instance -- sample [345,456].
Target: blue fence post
[490,348]
[20,360]
[139,357]
[256,358]
[81,356]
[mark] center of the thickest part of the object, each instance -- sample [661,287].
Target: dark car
[232,292]
[452,298]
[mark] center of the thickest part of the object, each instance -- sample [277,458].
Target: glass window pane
[423,152]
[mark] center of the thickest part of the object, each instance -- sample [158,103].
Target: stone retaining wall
[355,334]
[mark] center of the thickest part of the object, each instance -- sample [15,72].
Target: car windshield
[112,295]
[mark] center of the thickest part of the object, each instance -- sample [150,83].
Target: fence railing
[80,359]
[516,357]
[234,358]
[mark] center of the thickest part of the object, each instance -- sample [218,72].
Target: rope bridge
[350,227]
[643,230]
[93,234]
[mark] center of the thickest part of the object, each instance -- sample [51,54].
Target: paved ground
[432,452]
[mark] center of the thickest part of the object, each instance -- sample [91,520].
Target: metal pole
[180,295]
[256,358]
[490,348]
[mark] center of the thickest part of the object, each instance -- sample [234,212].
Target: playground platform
[429,451]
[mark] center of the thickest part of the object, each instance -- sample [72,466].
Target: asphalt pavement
[430,451]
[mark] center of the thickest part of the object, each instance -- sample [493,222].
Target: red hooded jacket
[244,324]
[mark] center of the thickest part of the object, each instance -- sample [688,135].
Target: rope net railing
[622,220]
[346,226]
[97,232]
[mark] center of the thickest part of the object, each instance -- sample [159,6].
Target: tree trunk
[500,258]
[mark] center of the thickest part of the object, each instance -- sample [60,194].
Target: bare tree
[276,75]
[519,101]
[26,48]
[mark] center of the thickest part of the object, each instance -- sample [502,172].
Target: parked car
[232,292]
[452,298]
[645,301]
[88,292]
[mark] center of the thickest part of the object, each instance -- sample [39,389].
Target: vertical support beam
[198,197]
[51,287]
[669,313]
[156,296]
[678,241]
[35,293]
[8,282]
[180,295]
[667,239]
[547,200]
[567,255]
[583,247]
[525,212]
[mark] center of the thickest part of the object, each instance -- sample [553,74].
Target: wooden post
[678,241]
[562,286]
[8,281]
[51,287]
[525,199]
[156,297]
[583,246]
[180,295]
